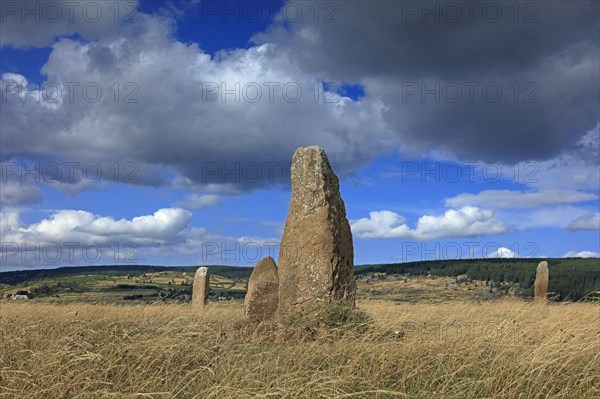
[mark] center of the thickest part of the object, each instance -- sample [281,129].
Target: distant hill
[20,276]
[570,278]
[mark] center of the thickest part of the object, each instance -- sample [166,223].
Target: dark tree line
[570,278]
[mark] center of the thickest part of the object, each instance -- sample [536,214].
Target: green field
[111,284]
[570,279]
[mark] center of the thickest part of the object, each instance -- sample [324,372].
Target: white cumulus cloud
[75,237]
[581,254]
[82,227]
[503,252]
[464,222]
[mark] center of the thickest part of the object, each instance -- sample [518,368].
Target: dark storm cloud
[544,65]
[37,23]
[142,105]
[542,57]
[421,39]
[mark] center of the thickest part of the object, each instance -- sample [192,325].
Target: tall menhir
[316,257]
[540,286]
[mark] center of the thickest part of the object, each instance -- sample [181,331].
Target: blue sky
[447,148]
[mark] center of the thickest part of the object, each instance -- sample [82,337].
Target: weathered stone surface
[262,296]
[316,256]
[200,288]
[540,286]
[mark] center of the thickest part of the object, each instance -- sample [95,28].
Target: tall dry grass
[509,349]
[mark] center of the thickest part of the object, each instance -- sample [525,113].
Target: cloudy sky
[158,132]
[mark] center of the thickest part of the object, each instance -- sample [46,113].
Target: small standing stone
[200,288]
[261,299]
[540,285]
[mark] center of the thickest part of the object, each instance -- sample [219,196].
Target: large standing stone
[316,257]
[262,296]
[540,286]
[200,288]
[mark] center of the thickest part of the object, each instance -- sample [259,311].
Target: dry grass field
[419,289]
[386,349]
